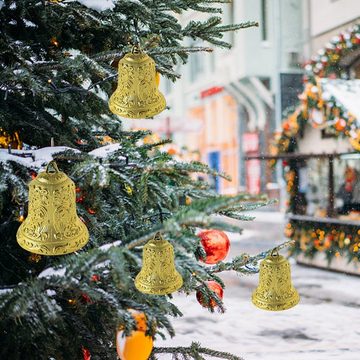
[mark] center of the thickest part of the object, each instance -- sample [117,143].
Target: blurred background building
[228,103]
[230,94]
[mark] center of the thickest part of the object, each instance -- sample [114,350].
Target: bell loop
[158,237]
[52,164]
[136,49]
[274,252]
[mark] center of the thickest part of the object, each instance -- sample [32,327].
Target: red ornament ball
[95,278]
[212,286]
[86,354]
[85,298]
[216,245]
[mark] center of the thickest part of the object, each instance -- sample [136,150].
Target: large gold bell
[137,95]
[275,291]
[52,226]
[158,275]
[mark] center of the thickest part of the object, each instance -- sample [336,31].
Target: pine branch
[179,50]
[195,351]
[245,263]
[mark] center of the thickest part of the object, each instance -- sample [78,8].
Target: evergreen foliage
[57,71]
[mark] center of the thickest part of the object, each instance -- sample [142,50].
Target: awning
[251,93]
[346,92]
[299,156]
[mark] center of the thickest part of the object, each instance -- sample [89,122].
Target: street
[325,325]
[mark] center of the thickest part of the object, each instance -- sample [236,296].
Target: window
[355,69]
[313,186]
[264,24]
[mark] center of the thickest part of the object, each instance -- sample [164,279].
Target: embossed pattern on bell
[158,275]
[275,291]
[137,95]
[52,226]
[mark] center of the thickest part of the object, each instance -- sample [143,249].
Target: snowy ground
[324,326]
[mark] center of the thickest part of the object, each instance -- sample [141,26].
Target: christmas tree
[58,68]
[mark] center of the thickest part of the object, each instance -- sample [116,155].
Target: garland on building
[322,111]
[319,108]
[326,63]
[312,238]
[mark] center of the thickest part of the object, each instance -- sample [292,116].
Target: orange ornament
[340,125]
[188,200]
[216,245]
[212,286]
[171,151]
[286,126]
[136,346]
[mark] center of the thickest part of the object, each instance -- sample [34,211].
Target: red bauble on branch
[95,278]
[79,195]
[86,354]
[216,245]
[212,286]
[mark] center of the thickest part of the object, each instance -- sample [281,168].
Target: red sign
[250,142]
[212,91]
[250,145]
[253,173]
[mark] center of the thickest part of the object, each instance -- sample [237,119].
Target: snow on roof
[346,92]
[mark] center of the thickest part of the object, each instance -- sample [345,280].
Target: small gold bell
[158,275]
[137,95]
[52,226]
[275,291]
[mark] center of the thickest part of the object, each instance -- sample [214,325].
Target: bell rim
[22,240]
[50,253]
[276,306]
[124,112]
[159,290]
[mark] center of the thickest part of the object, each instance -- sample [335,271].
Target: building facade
[234,96]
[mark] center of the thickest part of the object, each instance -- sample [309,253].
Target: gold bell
[158,275]
[275,291]
[137,95]
[52,226]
